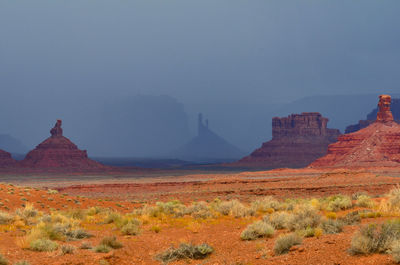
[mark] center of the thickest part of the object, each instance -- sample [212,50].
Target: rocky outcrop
[376,145]
[6,160]
[59,153]
[371,117]
[297,140]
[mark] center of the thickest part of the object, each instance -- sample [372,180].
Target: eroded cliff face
[58,152]
[6,160]
[376,145]
[297,140]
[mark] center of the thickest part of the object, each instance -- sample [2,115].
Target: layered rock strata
[6,160]
[376,145]
[297,140]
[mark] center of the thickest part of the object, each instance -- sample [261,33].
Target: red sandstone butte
[59,153]
[297,140]
[6,160]
[374,146]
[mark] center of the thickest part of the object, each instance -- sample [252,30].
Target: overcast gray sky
[211,55]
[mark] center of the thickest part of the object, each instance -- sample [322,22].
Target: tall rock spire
[384,112]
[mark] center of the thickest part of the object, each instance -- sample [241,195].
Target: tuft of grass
[42,245]
[278,219]
[375,238]
[130,229]
[395,251]
[185,251]
[265,204]
[5,218]
[330,226]
[3,260]
[67,249]
[111,241]
[257,230]
[303,218]
[351,218]
[102,249]
[365,201]
[284,242]
[338,202]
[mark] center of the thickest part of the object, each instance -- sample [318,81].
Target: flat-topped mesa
[59,153]
[297,140]
[377,145]
[384,112]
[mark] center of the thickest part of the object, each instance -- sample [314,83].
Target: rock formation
[6,160]
[207,146]
[59,153]
[376,145]
[371,117]
[297,140]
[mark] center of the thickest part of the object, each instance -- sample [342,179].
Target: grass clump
[130,229]
[330,226]
[86,245]
[284,242]
[278,220]
[265,204]
[304,217]
[395,251]
[5,218]
[67,249]
[42,245]
[365,201]
[351,218]
[111,241]
[257,230]
[185,251]
[3,260]
[338,203]
[102,249]
[375,238]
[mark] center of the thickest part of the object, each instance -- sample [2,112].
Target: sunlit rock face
[374,146]
[297,140]
[58,152]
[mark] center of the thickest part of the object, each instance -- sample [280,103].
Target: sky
[236,61]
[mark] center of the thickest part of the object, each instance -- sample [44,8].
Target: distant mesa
[297,140]
[207,146]
[377,145]
[58,152]
[372,116]
[6,160]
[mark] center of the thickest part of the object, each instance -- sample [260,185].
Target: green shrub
[5,218]
[303,218]
[257,230]
[278,219]
[185,251]
[3,260]
[284,242]
[102,249]
[43,245]
[365,201]
[351,218]
[330,226]
[67,249]
[111,242]
[375,238]
[130,229]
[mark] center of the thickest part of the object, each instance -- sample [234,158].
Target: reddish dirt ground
[125,193]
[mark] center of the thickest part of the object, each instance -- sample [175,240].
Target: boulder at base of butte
[59,153]
[6,160]
[377,145]
[297,140]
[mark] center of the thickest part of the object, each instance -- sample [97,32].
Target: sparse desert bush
[112,217]
[185,251]
[284,242]
[111,241]
[3,260]
[338,202]
[42,245]
[5,218]
[86,245]
[395,251]
[365,201]
[130,229]
[304,217]
[375,238]
[77,234]
[67,249]
[257,230]
[330,226]
[102,249]
[199,210]
[50,191]
[357,194]
[265,204]
[308,232]
[22,262]
[277,219]
[27,212]
[351,218]
[392,203]
[234,208]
